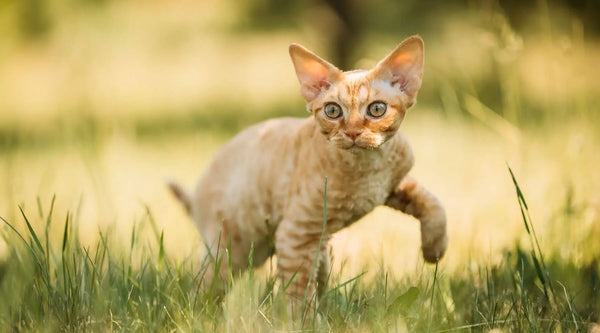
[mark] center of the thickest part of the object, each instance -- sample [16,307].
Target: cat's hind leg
[218,264]
[229,252]
[226,256]
[412,198]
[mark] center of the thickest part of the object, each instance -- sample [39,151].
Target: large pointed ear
[314,73]
[403,68]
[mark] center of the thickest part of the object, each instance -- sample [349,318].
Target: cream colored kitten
[270,177]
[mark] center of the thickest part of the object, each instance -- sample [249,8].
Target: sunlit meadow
[98,113]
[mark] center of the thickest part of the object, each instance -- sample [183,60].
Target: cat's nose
[353,134]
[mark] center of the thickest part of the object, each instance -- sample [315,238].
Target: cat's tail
[181,194]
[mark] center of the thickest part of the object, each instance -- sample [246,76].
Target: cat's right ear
[314,73]
[403,68]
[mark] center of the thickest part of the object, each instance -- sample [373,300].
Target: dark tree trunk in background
[346,35]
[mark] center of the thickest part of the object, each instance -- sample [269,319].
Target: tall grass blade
[536,252]
[32,232]
[49,216]
[520,195]
[161,251]
[133,235]
[538,268]
[153,223]
[289,282]
[520,199]
[47,231]
[39,206]
[432,294]
[251,261]
[540,275]
[342,285]
[31,249]
[65,234]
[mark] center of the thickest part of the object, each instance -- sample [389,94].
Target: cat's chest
[353,194]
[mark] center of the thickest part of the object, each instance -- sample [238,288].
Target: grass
[68,286]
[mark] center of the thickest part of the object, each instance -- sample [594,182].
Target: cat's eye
[376,109]
[332,110]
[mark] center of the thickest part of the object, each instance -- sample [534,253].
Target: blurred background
[103,101]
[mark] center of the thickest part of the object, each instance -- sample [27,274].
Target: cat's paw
[434,247]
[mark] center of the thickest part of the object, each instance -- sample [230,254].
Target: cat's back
[256,147]
[251,169]
[259,140]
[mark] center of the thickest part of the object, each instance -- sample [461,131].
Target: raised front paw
[434,245]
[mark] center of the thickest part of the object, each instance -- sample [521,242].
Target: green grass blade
[538,268]
[540,275]
[161,250]
[65,234]
[49,216]
[31,249]
[432,294]
[47,233]
[39,206]
[520,199]
[32,232]
[133,235]
[153,223]
[517,187]
[536,252]
[347,282]
[251,261]
[289,282]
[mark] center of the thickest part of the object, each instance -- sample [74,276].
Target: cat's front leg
[302,259]
[412,198]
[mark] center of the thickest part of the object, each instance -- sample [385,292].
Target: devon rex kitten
[270,177]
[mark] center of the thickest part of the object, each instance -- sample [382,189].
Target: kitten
[270,177]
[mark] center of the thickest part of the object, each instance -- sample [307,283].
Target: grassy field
[95,120]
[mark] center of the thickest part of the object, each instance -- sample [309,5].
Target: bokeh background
[102,102]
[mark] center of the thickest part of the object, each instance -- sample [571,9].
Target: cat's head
[360,109]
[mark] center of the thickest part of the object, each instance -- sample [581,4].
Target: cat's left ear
[314,73]
[403,68]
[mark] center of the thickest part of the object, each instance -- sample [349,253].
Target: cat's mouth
[356,146]
[361,143]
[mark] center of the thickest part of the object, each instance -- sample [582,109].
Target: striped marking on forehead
[356,87]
